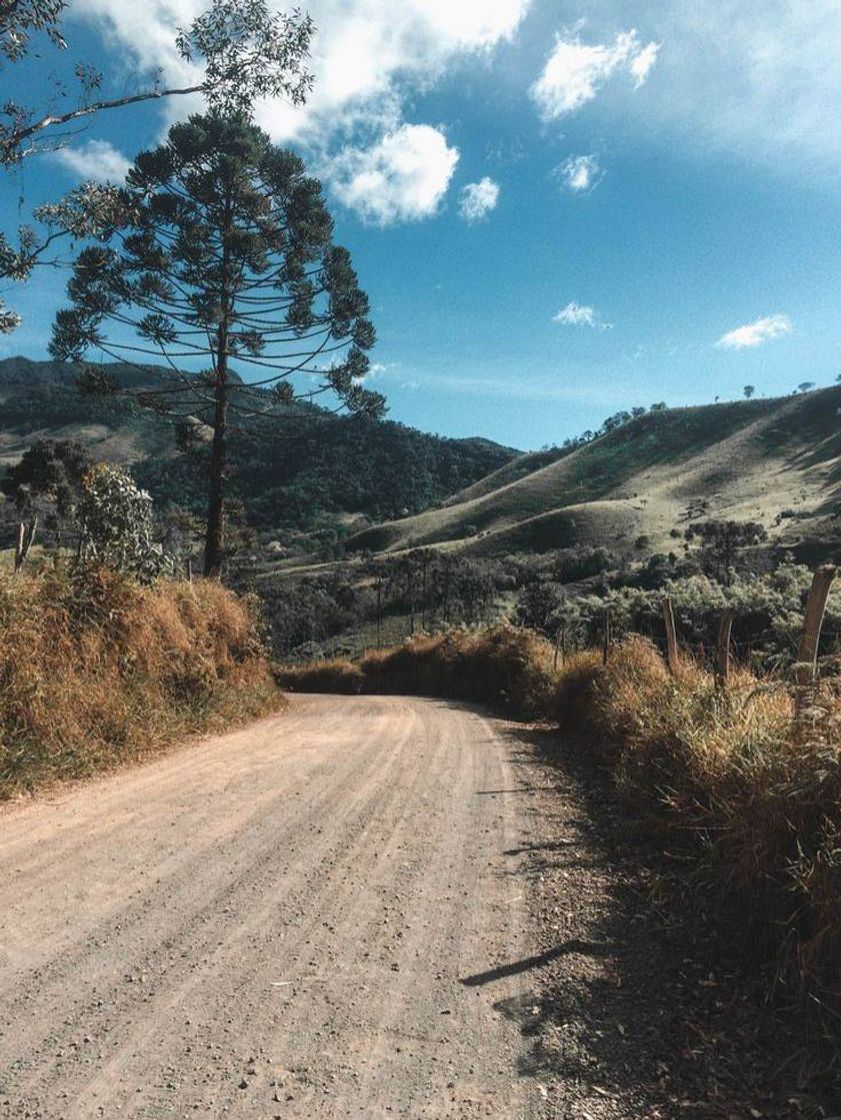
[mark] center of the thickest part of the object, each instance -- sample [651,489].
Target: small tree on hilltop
[224,253]
[748,391]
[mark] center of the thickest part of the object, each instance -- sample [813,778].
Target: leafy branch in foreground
[247,52]
[239,51]
[224,251]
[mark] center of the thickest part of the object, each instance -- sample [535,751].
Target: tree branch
[10,144]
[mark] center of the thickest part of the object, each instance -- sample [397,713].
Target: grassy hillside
[96,671]
[306,470]
[777,462]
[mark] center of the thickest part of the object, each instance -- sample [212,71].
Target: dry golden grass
[751,809]
[95,670]
[338,675]
[502,666]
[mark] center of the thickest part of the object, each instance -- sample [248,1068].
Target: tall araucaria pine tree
[223,254]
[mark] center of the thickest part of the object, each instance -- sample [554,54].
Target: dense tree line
[297,476]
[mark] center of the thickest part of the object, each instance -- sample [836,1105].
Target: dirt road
[314,917]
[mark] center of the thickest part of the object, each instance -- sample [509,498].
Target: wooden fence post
[560,646]
[672,655]
[722,651]
[379,611]
[606,637]
[805,671]
[19,548]
[26,535]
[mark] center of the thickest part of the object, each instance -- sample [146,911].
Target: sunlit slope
[749,460]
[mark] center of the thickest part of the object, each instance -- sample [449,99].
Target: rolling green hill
[634,489]
[309,470]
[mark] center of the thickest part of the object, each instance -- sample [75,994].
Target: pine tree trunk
[214,545]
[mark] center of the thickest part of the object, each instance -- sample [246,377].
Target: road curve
[301,919]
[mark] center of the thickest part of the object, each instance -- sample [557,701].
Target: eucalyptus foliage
[239,51]
[116,522]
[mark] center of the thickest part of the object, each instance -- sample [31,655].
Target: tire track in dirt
[272,923]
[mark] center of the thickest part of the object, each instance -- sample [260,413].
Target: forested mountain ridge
[305,469]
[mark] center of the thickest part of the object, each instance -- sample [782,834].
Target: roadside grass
[499,665]
[96,671]
[746,810]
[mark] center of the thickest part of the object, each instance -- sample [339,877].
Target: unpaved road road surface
[313,917]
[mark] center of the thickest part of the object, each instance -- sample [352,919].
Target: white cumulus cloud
[478,199]
[576,71]
[402,177]
[367,57]
[579,315]
[580,173]
[756,333]
[95,159]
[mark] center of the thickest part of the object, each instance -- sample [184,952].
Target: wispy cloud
[478,199]
[773,66]
[403,177]
[576,390]
[576,71]
[580,174]
[380,369]
[756,333]
[580,315]
[643,63]
[95,159]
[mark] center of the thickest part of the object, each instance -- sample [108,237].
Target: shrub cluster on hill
[768,613]
[429,588]
[569,590]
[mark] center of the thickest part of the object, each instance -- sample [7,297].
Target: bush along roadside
[502,666]
[723,775]
[96,669]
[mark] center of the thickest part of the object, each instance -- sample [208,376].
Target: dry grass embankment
[501,665]
[749,811]
[96,670]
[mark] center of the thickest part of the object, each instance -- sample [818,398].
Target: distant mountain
[311,470]
[635,489]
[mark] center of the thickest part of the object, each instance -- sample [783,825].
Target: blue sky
[558,210]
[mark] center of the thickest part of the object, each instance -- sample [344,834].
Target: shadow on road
[537,961]
[632,1011]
